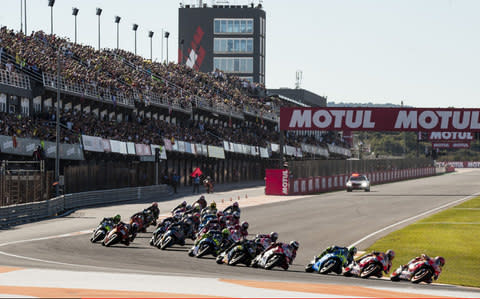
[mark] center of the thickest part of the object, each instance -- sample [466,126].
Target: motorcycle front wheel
[204,250]
[423,274]
[167,243]
[272,262]
[112,240]
[99,235]
[309,268]
[237,258]
[327,267]
[370,270]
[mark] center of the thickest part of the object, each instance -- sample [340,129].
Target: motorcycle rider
[208,234]
[437,264]
[180,208]
[233,219]
[386,259]
[266,239]
[155,211]
[232,208]
[349,253]
[201,202]
[210,210]
[291,247]
[115,219]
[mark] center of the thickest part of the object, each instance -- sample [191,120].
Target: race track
[316,222]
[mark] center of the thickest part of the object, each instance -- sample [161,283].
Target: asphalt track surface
[316,222]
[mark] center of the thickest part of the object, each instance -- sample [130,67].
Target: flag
[42,143]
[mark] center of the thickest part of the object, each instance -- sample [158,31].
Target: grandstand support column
[57,139]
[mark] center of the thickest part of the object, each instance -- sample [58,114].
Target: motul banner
[277,181]
[450,144]
[381,119]
[450,136]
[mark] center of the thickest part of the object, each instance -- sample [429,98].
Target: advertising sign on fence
[277,181]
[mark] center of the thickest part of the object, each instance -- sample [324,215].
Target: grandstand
[125,105]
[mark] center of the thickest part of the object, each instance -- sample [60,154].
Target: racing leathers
[429,260]
[343,251]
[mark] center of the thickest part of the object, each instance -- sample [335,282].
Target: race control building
[230,38]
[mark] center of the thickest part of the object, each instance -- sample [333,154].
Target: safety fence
[22,213]
[319,184]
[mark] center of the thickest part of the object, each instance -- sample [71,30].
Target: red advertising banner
[276,181]
[447,144]
[380,119]
[450,136]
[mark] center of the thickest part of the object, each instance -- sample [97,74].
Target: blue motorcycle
[330,262]
[210,244]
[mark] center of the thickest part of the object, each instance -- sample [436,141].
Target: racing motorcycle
[119,234]
[174,235]
[278,256]
[101,231]
[158,233]
[416,272]
[330,262]
[372,265]
[241,254]
[210,244]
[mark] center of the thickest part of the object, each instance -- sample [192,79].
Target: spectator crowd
[124,72]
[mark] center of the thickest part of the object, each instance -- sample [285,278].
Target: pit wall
[320,184]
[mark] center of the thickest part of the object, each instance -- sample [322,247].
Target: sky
[422,52]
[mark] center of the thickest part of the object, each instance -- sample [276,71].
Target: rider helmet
[439,261]
[188,207]
[225,232]
[222,220]
[352,251]
[184,203]
[196,217]
[274,236]
[213,205]
[116,219]
[154,204]
[244,225]
[235,204]
[391,254]
[294,244]
[236,215]
[219,214]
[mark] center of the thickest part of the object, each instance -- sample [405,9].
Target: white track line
[414,217]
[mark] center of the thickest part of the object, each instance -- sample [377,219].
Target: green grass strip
[453,234]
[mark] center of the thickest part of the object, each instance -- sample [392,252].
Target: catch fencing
[22,213]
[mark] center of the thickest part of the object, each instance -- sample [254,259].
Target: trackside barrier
[28,212]
[337,182]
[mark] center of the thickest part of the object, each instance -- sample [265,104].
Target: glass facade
[235,26]
[233,45]
[234,64]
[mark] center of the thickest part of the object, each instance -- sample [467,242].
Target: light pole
[162,45]
[150,35]
[57,139]
[98,13]
[51,3]
[117,20]
[75,13]
[21,15]
[167,34]
[135,27]
[25,14]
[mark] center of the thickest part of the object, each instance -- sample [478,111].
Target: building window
[233,45]
[234,64]
[250,79]
[236,26]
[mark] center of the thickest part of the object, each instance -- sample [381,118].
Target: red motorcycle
[278,256]
[417,272]
[119,234]
[371,265]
